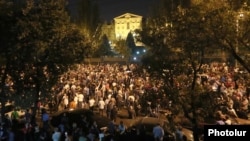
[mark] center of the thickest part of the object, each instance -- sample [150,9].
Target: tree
[104,48]
[177,51]
[229,29]
[85,14]
[45,44]
[6,49]
[122,48]
[130,42]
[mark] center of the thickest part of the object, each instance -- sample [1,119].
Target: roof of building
[128,15]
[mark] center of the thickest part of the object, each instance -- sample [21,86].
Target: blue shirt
[45,117]
[178,135]
[158,131]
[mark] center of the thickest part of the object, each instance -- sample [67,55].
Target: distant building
[121,26]
[126,23]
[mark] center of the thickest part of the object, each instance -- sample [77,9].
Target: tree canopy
[42,43]
[181,42]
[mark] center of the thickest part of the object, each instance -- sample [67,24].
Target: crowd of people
[111,87]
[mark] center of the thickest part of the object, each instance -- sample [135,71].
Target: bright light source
[137,52]
[144,50]
[134,58]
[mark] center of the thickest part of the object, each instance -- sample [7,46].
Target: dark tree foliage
[104,48]
[44,44]
[229,29]
[178,46]
[122,49]
[84,13]
[130,42]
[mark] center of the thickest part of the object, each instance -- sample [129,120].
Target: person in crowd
[3,133]
[56,136]
[68,136]
[80,100]
[64,123]
[111,128]
[131,112]
[101,106]
[36,132]
[65,101]
[45,119]
[220,121]
[76,100]
[114,112]
[109,108]
[7,121]
[43,135]
[228,121]
[11,134]
[91,103]
[75,131]
[231,111]
[82,137]
[91,136]
[179,134]
[158,132]
[121,128]
[72,104]
[94,129]
[101,136]
[14,115]
[27,115]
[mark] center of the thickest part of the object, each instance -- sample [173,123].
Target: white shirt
[80,97]
[65,100]
[101,104]
[91,102]
[131,98]
[76,99]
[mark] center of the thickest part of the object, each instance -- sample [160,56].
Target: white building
[126,23]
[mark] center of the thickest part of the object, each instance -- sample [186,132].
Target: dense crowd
[111,87]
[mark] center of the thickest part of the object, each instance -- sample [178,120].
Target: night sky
[113,8]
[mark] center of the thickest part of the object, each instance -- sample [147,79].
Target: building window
[128,26]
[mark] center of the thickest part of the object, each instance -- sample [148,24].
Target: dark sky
[113,8]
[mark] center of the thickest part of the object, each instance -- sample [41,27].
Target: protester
[158,132]
[56,136]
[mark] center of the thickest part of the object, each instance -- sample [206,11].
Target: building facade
[126,23]
[120,27]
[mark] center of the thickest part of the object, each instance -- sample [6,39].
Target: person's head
[121,122]
[56,129]
[180,128]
